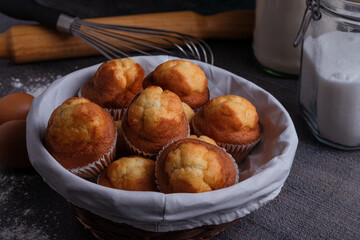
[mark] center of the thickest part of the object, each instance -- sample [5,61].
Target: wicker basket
[171,216]
[105,229]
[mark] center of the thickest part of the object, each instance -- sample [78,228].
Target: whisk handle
[30,10]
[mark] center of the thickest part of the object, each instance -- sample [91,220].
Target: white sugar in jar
[330,75]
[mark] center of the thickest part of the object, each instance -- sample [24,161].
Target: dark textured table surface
[320,199]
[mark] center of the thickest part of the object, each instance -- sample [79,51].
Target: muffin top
[155,118]
[228,119]
[204,138]
[115,83]
[79,132]
[182,77]
[189,112]
[192,166]
[134,173]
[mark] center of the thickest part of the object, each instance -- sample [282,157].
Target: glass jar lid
[349,9]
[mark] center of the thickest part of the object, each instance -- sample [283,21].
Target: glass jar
[329,92]
[276,25]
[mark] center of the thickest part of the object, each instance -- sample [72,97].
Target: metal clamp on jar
[330,71]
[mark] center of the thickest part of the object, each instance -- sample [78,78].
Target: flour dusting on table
[18,224]
[21,231]
[34,86]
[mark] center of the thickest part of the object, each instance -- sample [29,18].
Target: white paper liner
[116,113]
[167,145]
[145,154]
[79,93]
[93,169]
[238,151]
[97,179]
[135,150]
[263,172]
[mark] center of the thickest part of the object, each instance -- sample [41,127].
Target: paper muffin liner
[135,150]
[238,151]
[93,169]
[116,113]
[167,145]
[237,177]
[97,178]
[79,93]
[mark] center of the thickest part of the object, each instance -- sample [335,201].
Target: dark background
[320,199]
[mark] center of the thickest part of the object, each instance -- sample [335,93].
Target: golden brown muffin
[228,119]
[134,173]
[103,180]
[193,166]
[188,112]
[205,139]
[182,77]
[154,119]
[114,84]
[81,136]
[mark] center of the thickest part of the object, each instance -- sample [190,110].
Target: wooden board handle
[32,43]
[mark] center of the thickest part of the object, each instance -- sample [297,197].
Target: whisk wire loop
[143,42]
[114,41]
[111,37]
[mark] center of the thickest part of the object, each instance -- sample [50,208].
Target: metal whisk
[112,41]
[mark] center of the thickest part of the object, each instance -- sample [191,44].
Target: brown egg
[15,106]
[13,152]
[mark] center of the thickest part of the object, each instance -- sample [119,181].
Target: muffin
[182,77]
[154,119]
[114,85]
[189,112]
[232,121]
[193,166]
[133,173]
[81,136]
[204,138]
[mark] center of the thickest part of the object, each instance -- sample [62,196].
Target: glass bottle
[329,91]
[276,25]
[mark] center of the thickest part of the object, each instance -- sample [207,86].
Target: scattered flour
[16,83]
[5,187]
[33,86]
[4,194]
[23,232]
[16,225]
[28,212]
